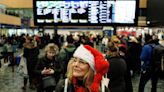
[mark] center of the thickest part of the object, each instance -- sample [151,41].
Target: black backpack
[158,57]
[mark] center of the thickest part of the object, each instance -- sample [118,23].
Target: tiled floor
[12,82]
[160,87]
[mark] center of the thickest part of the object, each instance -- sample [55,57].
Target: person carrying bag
[48,69]
[48,82]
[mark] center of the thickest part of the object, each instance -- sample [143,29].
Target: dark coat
[133,56]
[157,56]
[60,87]
[45,62]
[116,74]
[31,55]
[62,57]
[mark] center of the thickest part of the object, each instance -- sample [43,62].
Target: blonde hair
[113,49]
[30,38]
[29,44]
[52,47]
[88,78]
[115,39]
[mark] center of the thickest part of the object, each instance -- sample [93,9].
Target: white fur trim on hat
[82,53]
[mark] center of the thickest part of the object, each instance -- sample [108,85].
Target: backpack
[158,57]
[67,58]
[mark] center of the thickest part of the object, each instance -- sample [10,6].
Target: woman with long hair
[85,71]
[117,69]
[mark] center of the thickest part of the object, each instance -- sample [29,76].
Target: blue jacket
[146,55]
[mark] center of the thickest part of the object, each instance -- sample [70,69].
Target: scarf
[78,85]
[94,87]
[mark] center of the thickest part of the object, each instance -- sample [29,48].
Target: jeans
[145,76]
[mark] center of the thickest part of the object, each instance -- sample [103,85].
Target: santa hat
[93,57]
[82,53]
[96,61]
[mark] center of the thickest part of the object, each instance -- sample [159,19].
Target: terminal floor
[12,82]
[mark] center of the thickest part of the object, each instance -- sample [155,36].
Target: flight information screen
[84,12]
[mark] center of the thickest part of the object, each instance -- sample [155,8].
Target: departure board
[84,12]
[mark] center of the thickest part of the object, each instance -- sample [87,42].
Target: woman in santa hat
[85,71]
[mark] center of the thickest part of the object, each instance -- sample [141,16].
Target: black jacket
[53,64]
[31,54]
[60,87]
[116,74]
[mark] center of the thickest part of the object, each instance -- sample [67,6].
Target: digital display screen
[84,12]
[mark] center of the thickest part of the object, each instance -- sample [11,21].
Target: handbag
[48,82]
[104,84]
[22,68]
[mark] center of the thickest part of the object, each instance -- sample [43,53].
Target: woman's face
[27,40]
[80,68]
[50,54]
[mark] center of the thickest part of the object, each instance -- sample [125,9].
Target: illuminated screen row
[72,12]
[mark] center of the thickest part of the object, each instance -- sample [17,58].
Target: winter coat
[45,62]
[146,56]
[134,58]
[62,53]
[117,74]
[31,55]
[62,56]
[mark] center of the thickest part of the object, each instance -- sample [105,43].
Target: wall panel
[7,19]
[17,3]
[143,4]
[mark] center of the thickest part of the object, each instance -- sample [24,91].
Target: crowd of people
[80,66]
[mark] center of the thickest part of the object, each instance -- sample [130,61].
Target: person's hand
[45,71]
[51,71]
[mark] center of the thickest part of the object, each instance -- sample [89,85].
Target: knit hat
[93,57]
